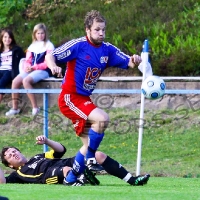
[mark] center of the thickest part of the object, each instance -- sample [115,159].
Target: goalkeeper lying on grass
[49,168]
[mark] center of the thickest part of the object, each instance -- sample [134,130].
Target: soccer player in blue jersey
[86,57]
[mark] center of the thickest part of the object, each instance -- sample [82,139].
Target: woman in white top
[33,68]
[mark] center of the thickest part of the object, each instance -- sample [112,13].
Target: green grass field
[170,153]
[110,188]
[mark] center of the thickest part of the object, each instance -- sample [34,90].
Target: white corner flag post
[145,57]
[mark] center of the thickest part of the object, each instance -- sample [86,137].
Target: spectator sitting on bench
[33,68]
[10,55]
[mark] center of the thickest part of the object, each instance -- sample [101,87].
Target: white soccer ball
[153,87]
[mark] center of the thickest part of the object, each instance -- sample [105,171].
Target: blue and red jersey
[86,62]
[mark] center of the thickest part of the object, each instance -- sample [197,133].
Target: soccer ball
[153,87]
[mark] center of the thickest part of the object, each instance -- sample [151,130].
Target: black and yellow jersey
[39,168]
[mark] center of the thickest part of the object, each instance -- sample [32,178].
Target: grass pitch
[170,150]
[110,188]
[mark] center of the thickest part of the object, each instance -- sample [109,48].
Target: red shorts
[77,108]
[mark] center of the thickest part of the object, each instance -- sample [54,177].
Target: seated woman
[34,68]
[10,55]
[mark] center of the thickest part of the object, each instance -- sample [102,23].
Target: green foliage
[3,120]
[2,107]
[8,7]
[25,119]
[172,27]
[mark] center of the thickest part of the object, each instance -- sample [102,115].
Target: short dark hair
[91,16]
[2,154]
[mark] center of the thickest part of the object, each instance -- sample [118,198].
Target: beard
[96,41]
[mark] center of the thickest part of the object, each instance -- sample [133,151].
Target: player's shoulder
[31,162]
[109,45]
[79,41]
[37,156]
[82,39]
[75,42]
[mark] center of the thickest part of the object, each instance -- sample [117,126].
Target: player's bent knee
[100,157]
[103,125]
[66,169]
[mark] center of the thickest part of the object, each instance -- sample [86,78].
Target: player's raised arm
[50,60]
[2,177]
[56,146]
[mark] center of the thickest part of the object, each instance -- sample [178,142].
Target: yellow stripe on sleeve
[29,176]
[52,180]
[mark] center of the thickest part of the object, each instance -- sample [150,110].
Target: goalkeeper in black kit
[51,168]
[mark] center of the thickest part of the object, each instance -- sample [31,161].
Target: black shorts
[54,174]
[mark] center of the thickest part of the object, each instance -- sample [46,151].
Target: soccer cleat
[90,177]
[141,180]
[12,112]
[76,183]
[93,165]
[83,179]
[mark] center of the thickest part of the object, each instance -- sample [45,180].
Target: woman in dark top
[10,56]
